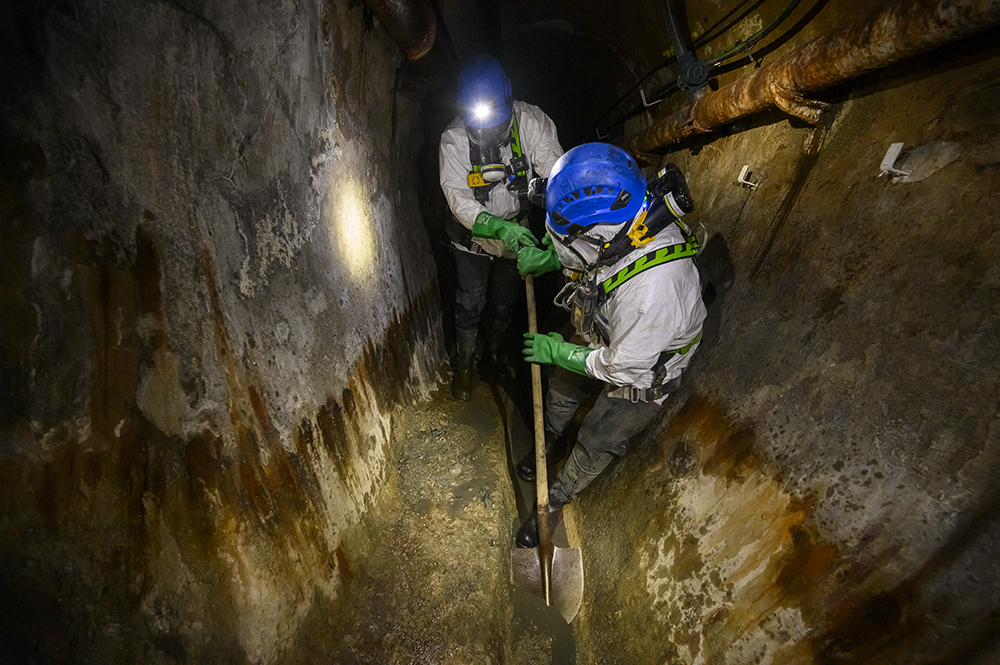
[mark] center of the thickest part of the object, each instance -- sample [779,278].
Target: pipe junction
[898,30]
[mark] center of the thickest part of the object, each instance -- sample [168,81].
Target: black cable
[701,41]
[672,87]
[742,46]
[707,36]
[750,41]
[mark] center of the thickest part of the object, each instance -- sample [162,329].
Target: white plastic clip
[888,165]
[743,179]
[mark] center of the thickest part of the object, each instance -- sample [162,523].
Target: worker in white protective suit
[634,299]
[494,158]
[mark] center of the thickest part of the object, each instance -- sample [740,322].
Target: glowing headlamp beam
[482,111]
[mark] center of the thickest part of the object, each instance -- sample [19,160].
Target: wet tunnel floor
[426,573]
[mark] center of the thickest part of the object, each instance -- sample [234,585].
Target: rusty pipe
[410,23]
[898,30]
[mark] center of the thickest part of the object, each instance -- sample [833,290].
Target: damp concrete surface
[426,572]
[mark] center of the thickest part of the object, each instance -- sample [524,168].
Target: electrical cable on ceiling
[672,87]
[741,47]
[701,41]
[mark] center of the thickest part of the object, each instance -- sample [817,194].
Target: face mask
[578,254]
[490,137]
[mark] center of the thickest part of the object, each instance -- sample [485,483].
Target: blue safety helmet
[486,100]
[591,186]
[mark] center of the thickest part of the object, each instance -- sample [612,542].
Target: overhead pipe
[899,30]
[410,23]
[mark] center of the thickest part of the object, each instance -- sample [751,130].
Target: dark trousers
[484,279]
[604,433]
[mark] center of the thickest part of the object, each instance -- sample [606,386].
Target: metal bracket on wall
[888,165]
[743,179]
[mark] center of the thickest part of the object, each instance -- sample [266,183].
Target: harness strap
[659,388]
[655,258]
[518,162]
[518,167]
[633,394]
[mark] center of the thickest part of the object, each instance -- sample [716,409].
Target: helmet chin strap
[611,251]
[608,253]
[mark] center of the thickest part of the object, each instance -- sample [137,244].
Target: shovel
[550,572]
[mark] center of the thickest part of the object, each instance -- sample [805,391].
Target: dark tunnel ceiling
[573,59]
[576,58]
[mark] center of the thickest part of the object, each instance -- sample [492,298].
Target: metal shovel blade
[566,588]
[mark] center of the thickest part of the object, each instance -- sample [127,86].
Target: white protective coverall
[539,143]
[660,309]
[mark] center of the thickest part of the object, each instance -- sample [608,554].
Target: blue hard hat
[485,97]
[591,185]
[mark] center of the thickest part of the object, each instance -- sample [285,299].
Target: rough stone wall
[823,489]
[216,290]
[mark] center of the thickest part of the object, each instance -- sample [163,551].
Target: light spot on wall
[352,228]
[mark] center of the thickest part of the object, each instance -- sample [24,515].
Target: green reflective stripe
[687,347]
[651,260]
[515,142]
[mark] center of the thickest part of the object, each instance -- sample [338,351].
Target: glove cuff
[486,225]
[573,357]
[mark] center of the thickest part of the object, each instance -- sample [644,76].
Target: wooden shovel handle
[545,547]
[541,475]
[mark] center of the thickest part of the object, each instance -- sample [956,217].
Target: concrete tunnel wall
[202,353]
[216,290]
[823,489]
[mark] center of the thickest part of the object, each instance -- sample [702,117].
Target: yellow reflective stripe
[651,260]
[515,143]
[687,347]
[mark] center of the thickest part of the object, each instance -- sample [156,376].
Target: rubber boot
[527,535]
[461,383]
[493,367]
[525,469]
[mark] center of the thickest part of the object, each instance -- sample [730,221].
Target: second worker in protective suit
[490,155]
[634,299]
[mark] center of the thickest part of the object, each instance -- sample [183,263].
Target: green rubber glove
[554,350]
[534,261]
[513,236]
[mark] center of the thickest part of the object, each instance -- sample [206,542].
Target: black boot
[492,366]
[527,535]
[525,469]
[461,383]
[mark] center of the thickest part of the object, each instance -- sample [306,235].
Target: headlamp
[482,111]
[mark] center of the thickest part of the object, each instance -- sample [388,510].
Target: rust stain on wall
[148,274]
[343,566]
[734,558]
[110,289]
[145,504]
[333,437]
[734,568]
[259,409]
[807,562]
[201,461]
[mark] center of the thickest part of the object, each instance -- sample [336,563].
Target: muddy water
[427,572]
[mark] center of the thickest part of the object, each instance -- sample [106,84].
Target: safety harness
[586,297]
[659,257]
[583,296]
[516,173]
